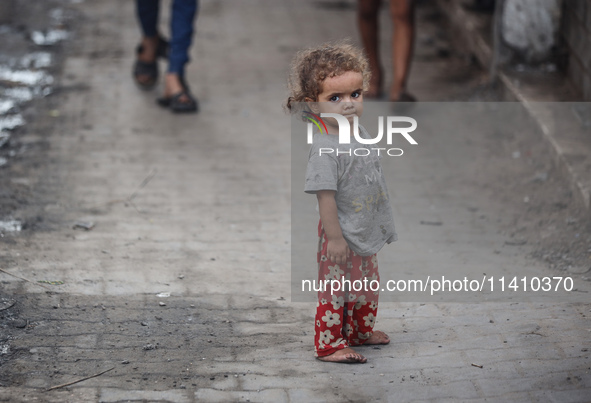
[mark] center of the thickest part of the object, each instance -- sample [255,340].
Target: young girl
[355,214]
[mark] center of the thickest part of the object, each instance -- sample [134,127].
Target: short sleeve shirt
[354,172]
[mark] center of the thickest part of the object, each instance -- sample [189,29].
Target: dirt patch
[535,198]
[545,213]
[155,343]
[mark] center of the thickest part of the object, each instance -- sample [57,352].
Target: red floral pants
[345,317]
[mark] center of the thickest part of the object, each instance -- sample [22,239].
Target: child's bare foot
[378,337]
[346,355]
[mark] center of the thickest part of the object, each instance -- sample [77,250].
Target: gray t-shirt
[361,195]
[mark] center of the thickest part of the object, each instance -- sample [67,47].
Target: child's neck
[334,130]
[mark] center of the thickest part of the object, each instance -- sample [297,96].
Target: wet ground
[31,55]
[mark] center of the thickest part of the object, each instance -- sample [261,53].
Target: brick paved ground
[212,228]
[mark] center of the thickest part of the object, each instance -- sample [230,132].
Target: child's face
[343,95]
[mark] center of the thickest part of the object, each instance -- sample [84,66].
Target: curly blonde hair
[310,67]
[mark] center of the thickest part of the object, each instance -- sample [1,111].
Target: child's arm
[337,248]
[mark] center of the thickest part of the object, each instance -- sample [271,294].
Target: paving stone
[108,395]
[267,395]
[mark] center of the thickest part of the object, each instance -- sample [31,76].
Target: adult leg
[367,21]
[145,69]
[181,27]
[147,14]
[402,13]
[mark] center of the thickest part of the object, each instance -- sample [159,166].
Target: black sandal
[141,68]
[176,105]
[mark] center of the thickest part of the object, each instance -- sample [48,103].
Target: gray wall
[576,32]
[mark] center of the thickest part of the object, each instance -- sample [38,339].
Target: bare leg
[402,12]
[367,20]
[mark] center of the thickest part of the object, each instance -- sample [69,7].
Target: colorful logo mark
[315,119]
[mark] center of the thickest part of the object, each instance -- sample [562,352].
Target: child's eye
[334,98]
[356,94]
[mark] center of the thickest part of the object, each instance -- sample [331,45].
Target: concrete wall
[6,8]
[576,33]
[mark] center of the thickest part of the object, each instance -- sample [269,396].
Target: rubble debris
[11,226]
[52,282]
[517,242]
[10,122]
[49,37]
[85,225]
[79,380]
[6,303]
[24,279]
[435,223]
[20,323]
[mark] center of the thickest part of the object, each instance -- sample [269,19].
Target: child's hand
[337,250]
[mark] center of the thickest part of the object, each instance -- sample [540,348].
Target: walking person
[402,13]
[176,95]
